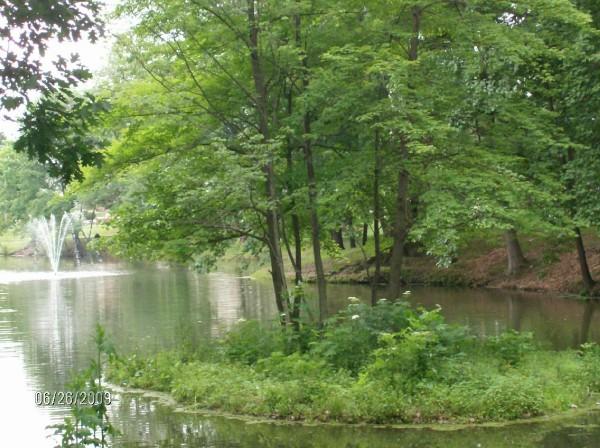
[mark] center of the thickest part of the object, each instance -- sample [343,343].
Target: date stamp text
[72,398]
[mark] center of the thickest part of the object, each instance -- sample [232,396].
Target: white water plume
[51,236]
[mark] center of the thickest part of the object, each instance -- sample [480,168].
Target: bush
[248,342]
[386,364]
[590,353]
[511,346]
[154,372]
[377,403]
[351,336]
[417,352]
[293,366]
[405,358]
[511,397]
[484,398]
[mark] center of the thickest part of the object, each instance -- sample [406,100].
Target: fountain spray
[51,236]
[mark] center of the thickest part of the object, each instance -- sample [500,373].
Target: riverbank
[384,365]
[552,265]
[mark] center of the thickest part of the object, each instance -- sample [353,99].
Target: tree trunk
[314,221]
[296,259]
[78,248]
[400,231]
[401,222]
[297,248]
[312,188]
[365,233]
[376,219]
[586,276]
[352,234]
[514,254]
[338,237]
[272,215]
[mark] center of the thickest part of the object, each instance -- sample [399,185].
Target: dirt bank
[551,266]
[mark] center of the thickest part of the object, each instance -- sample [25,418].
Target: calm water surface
[46,328]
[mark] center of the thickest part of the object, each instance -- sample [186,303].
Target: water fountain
[52,237]
[51,233]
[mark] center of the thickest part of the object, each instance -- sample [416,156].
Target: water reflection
[147,423]
[586,320]
[556,322]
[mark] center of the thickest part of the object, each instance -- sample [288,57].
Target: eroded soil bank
[551,267]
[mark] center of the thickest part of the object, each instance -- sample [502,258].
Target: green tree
[26,189]
[59,131]
[27,26]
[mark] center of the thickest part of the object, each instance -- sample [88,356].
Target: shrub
[293,366]
[511,346]
[386,364]
[376,402]
[248,342]
[155,372]
[590,353]
[405,358]
[416,353]
[227,387]
[351,336]
[511,397]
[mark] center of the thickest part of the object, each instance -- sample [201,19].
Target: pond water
[46,326]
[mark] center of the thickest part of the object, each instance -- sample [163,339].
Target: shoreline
[167,399]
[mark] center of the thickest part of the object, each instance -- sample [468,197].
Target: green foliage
[89,424]
[351,335]
[31,25]
[58,132]
[25,188]
[248,342]
[416,353]
[155,372]
[425,371]
[590,353]
[294,366]
[512,397]
[511,346]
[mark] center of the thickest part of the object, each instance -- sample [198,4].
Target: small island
[387,364]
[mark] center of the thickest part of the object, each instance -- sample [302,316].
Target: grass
[12,241]
[389,365]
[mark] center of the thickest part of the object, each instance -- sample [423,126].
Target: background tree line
[288,124]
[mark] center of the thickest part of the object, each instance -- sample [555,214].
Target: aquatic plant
[89,424]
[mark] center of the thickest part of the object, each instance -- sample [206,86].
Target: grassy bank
[388,364]
[13,241]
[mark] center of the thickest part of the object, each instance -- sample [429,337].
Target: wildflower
[241,319]
[355,316]
[406,293]
[353,299]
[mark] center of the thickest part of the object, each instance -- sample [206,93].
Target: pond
[46,326]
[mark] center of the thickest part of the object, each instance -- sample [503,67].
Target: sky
[94,56]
